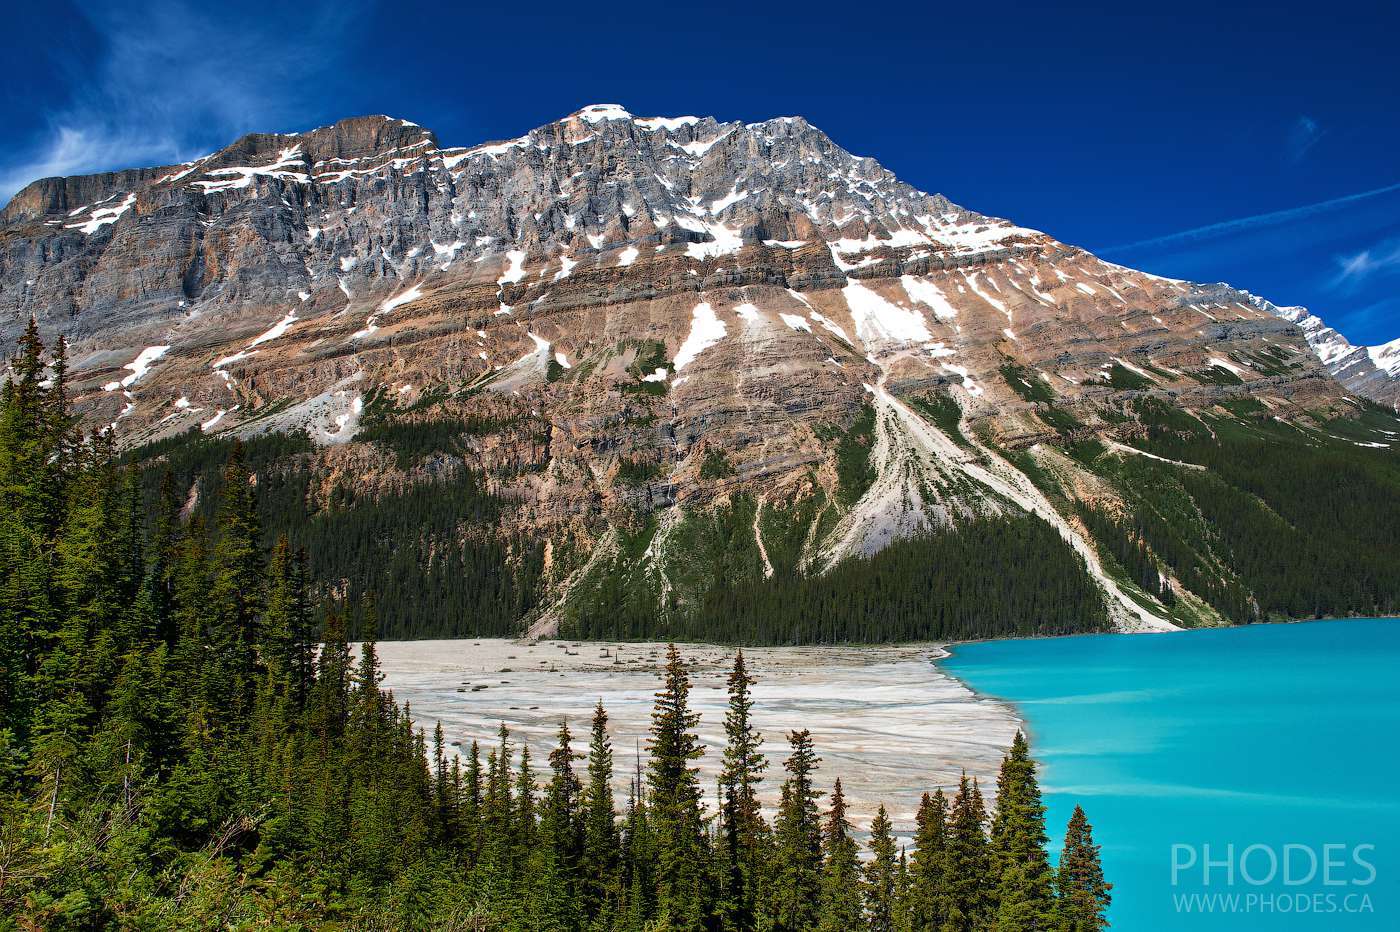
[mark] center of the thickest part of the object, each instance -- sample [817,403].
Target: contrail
[1258,220]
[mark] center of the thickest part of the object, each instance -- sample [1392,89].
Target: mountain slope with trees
[188,740]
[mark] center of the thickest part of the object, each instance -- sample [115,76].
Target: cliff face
[667,310]
[1370,371]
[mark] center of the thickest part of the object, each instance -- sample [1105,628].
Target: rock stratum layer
[628,319]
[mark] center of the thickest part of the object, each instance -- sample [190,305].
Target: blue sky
[1245,142]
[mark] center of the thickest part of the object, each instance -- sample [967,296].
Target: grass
[1024,383]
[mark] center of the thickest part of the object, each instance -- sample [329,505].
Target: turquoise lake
[1278,740]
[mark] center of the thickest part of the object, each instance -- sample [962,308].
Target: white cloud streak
[1243,224]
[174,79]
[1382,258]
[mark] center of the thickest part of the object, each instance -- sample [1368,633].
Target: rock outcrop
[635,298]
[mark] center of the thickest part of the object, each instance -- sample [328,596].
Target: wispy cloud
[1358,268]
[1302,136]
[173,79]
[1252,222]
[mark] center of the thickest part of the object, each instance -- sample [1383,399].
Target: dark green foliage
[412,441]
[1272,361]
[1245,407]
[430,551]
[1023,895]
[742,841]
[943,411]
[987,577]
[968,881]
[179,754]
[600,862]
[1058,419]
[619,595]
[651,355]
[1026,383]
[1127,547]
[674,800]
[854,471]
[1215,375]
[637,470]
[1271,499]
[926,903]
[881,876]
[1121,377]
[1083,893]
[716,465]
[990,576]
[797,837]
[653,388]
[841,906]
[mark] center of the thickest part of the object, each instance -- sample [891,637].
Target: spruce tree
[966,872]
[881,876]
[599,862]
[796,884]
[743,836]
[674,801]
[926,868]
[555,859]
[471,806]
[1084,897]
[235,597]
[1022,893]
[638,859]
[524,829]
[841,906]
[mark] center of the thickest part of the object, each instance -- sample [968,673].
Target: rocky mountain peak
[626,317]
[1370,371]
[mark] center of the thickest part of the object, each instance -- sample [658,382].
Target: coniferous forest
[187,741]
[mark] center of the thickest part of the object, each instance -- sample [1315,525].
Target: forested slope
[188,741]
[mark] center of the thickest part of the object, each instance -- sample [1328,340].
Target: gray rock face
[1371,371]
[372,201]
[784,275]
[613,302]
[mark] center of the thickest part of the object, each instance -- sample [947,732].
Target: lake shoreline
[889,721]
[1204,741]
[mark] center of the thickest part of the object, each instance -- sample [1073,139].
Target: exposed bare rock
[623,300]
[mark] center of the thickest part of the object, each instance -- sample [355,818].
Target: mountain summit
[618,323]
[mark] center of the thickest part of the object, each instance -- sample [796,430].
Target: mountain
[1370,371]
[622,376]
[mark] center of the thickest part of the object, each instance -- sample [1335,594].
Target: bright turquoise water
[1269,735]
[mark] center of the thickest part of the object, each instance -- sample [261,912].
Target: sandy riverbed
[884,719]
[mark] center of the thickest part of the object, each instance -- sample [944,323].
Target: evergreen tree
[173,745]
[743,836]
[523,827]
[555,860]
[599,864]
[966,871]
[286,643]
[841,905]
[926,870]
[471,807]
[1022,893]
[674,801]
[796,884]
[235,598]
[638,859]
[881,876]
[1083,893]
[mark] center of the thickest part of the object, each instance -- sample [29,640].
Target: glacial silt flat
[885,720]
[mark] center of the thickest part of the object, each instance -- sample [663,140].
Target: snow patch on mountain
[706,329]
